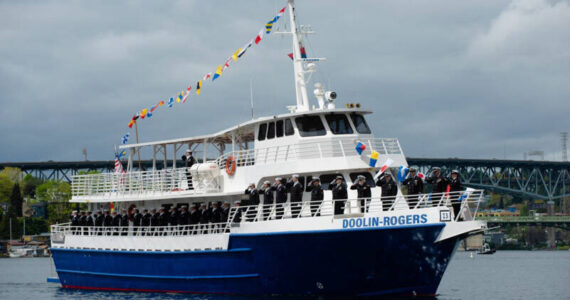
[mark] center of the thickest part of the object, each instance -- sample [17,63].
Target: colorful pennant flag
[402,173]
[235,55]
[198,86]
[161,103]
[131,123]
[360,147]
[384,167]
[149,114]
[121,154]
[180,96]
[303,52]
[281,13]
[269,26]
[186,95]
[218,73]
[373,159]
[421,176]
[227,63]
[207,76]
[259,37]
[242,52]
[125,138]
[170,102]
[143,113]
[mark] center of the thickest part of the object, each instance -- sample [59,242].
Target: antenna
[251,96]
[85,153]
[563,141]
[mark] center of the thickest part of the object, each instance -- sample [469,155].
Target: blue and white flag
[170,102]
[125,138]
[402,173]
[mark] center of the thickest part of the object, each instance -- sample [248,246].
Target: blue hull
[401,260]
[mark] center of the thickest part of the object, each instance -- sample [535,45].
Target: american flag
[118,166]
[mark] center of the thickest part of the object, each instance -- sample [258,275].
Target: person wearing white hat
[295,188]
[317,196]
[389,190]
[267,199]
[253,201]
[363,190]
[339,193]
[280,197]
[189,161]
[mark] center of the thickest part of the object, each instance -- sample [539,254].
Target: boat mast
[299,71]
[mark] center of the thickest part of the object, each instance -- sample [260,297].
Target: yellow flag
[235,55]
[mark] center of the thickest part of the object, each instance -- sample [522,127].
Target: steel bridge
[562,222]
[535,179]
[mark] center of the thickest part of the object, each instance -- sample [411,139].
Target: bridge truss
[535,179]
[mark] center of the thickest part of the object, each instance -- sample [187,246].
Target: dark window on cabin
[369,178]
[310,126]
[279,128]
[271,131]
[262,131]
[339,124]
[327,178]
[360,123]
[289,127]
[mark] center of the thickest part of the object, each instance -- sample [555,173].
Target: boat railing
[142,183]
[309,150]
[467,201]
[60,230]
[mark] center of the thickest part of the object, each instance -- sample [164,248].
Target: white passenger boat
[403,249]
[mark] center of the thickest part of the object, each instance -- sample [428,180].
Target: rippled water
[504,275]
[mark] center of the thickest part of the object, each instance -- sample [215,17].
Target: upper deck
[309,142]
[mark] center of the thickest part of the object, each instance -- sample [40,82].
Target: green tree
[15,174]
[29,185]
[6,185]
[53,191]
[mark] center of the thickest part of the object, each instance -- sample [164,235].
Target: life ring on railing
[231,165]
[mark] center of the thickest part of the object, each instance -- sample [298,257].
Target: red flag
[259,36]
[447,190]
[290,55]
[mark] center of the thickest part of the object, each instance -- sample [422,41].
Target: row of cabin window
[313,126]
[275,129]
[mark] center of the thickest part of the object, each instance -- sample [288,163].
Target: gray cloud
[450,79]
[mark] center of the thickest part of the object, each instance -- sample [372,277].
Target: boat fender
[231,165]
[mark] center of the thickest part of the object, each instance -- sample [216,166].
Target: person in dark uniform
[204,218]
[116,223]
[82,219]
[237,215]
[89,221]
[295,188]
[183,220]
[415,186]
[99,219]
[145,221]
[225,212]
[280,197]
[163,217]
[173,217]
[74,221]
[317,196]
[454,189]
[154,218]
[267,200]
[189,161]
[194,217]
[107,220]
[124,222]
[136,217]
[438,182]
[253,201]
[364,192]
[389,190]
[339,193]
[215,213]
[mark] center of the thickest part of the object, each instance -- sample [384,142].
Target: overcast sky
[469,79]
